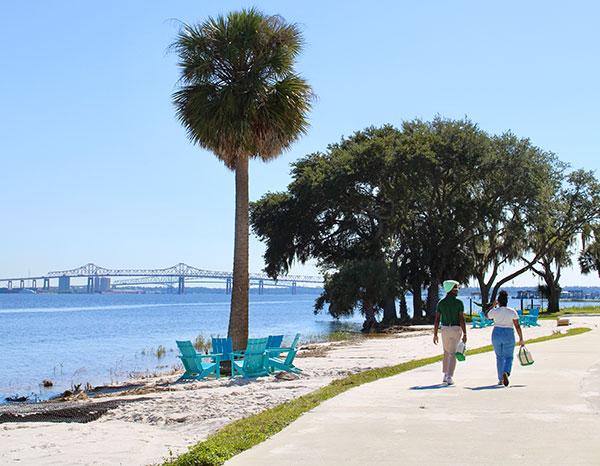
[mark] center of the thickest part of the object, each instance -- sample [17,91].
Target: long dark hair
[503,298]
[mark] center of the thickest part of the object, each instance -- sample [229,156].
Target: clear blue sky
[95,168]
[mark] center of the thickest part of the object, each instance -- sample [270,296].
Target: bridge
[99,278]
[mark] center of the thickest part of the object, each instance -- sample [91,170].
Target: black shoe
[505,379]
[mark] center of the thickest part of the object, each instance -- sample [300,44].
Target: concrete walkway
[550,414]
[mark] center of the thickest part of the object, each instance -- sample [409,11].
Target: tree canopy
[389,211]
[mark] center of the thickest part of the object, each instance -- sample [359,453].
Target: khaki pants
[450,338]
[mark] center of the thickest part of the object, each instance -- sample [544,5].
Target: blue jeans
[503,340]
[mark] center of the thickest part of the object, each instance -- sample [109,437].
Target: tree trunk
[551,280]
[238,316]
[370,324]
[417,302]
[553,298]
[404,317]
[389,311]
[433,296]
[484,289]
[553,289]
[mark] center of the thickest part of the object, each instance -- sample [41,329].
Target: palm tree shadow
[429,387]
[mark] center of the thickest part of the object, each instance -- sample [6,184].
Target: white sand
[149,431]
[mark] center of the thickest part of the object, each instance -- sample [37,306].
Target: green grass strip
[567,311]
[245,433]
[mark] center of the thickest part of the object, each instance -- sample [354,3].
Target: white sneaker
[445,379]
[449,380]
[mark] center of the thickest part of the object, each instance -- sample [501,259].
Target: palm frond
[238,92]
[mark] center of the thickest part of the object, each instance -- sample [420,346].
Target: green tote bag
[525,357]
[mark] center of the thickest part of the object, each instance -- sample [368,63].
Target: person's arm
[519,332]
[436,325]
[489,307]
[461,322]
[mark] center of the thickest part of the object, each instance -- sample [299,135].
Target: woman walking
[503,336]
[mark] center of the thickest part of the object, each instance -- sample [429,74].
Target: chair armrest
[278,350]
[214,356]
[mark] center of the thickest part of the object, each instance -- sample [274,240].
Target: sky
[94,166]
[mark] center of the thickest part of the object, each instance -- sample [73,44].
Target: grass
[343,335]
[244,434]
[160,351]
[202,345]
[566,311]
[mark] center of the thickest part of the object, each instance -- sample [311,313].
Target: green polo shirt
[450,308]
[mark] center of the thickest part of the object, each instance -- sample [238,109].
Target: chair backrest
[520,312]
[223,346]
[274,341]
[292,354]
[254,355]
[534,312]
[187,349]
[189,357]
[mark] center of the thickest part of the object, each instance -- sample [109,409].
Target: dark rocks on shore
[47,383]
[16,399]
[73,411]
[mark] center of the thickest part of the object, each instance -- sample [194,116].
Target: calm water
[103,338]
[72,339]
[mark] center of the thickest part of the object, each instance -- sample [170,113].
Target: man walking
[450,313]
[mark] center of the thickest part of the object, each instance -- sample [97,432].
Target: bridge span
[99,278]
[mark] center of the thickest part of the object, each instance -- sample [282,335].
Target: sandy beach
[169,417]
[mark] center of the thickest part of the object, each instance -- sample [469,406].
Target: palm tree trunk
[238,316]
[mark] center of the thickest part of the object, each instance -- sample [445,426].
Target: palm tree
[589,258]
[240,97]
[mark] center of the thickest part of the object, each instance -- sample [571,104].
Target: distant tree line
[392,211]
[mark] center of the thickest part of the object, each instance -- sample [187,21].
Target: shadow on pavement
[429,387]
[493,387]
[486,387]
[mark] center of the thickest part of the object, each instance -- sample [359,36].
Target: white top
[503,316]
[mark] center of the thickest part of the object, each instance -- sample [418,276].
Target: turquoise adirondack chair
[254,359]
[195,365]
[481,321]
[275,362]
[274,341]
[531,319]
[222,347]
